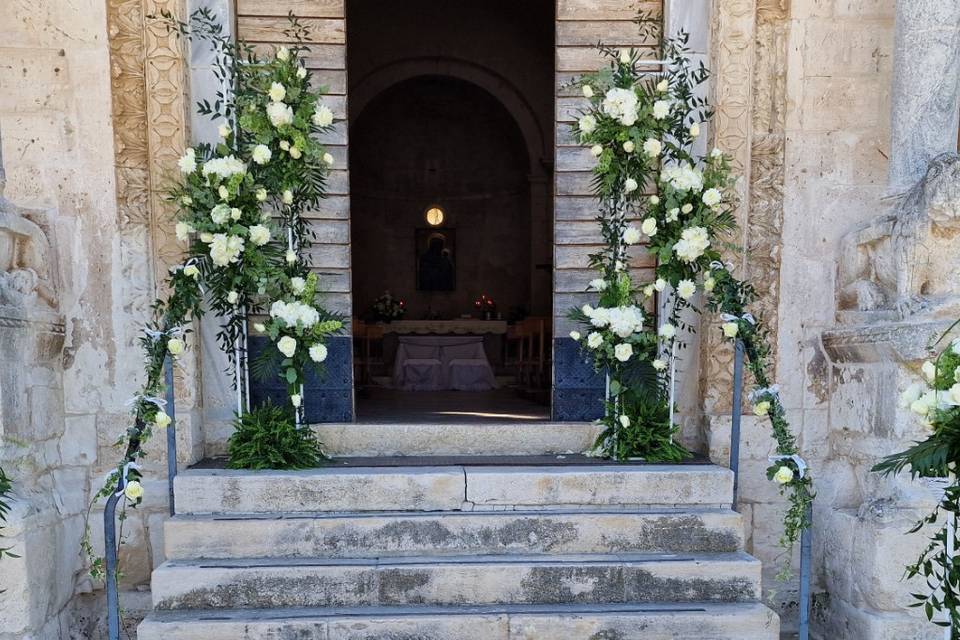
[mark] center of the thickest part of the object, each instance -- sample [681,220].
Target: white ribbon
[797,460]
[729,317]
[772,390]
[172,332]
[159,402]
[123,476]
[716,264]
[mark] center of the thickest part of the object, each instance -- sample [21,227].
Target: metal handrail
[110,510]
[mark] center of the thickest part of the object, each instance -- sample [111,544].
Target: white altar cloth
[434,363]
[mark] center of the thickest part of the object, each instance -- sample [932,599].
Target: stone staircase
[454,544]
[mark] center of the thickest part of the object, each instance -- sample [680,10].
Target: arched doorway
[450,210]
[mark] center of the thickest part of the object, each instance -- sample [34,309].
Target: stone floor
[380,405]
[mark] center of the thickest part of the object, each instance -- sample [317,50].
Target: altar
[460,326]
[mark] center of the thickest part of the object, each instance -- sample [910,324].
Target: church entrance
[451,146]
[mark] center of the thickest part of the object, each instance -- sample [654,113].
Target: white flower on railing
[133,490]
[649,227]
[594,340]
[297,284]
[175,346]
[161,419]
[667,331]
[784,475]
[283,54]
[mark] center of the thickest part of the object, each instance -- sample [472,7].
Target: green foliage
[6,487]
[268,438]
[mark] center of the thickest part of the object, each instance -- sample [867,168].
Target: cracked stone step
[451,488]
[484,439]
[458,533]
[518,622]
[479,580]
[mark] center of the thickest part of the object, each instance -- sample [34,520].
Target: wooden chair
[533,363]
[367,350]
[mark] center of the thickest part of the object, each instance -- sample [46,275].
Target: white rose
[649,227]
[730,329]
[659,364]
[295,153]
[318,353]
[224,130]
[301,72]
[660,284]
[667,331]
[598,284]
[783,475]
[261,194]
[587,91]
[625,421]
[323,116]
[287,346]
[235,214]
[277,92]
[661,109]
[594,340]
[261,154]
[280,114]
[929,370]
[652,147]
[285,145]
[694,130]
[630,185]
[291,256]
[587,123]
[183,231]
[133,491]
[625,56]
[259,235]
[223,192]
[712,197]
[161,419]
[575,335]
[686,289]
[628,146]
[191,271]
[297,284]
[175,346]
[648,290]
[188,162]
[596,150]
[709,284]
[232,297]
[654,200]
[283,54]
[328,159]
[761,408]
[287,197]
[687,208]
[631,235]
[663,85]
[623,351]
[295,400]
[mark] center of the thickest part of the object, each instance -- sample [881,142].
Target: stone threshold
[559,460]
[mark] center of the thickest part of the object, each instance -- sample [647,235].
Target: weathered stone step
[464,439]
[451,488]
[480,532]
[528,579]
[505,622]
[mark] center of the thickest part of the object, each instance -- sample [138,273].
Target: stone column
[926,88]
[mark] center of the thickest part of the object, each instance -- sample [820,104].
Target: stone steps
[505,622]
[439,580]
[463,439]
[376,534]
[451,488]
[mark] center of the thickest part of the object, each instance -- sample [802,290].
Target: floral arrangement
[641,128]
[239,206]
[485,305]
[936,403]
[387,308]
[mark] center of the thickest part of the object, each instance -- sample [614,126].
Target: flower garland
[239,206]
[936,403]
[641,128]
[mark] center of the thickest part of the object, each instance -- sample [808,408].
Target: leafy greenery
[6,487]
[268,438]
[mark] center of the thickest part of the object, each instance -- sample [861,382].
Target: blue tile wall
[327,398]
[578,390]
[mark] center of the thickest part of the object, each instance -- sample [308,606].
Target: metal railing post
[110,563]
[806,556]
[171,433]
[735,418]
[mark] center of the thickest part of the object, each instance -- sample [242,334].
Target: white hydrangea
[188,161]
[220,214]
[631,235]
[686,289]
[600,317]
[224,167]
[621,104]
[225,249]
[712,197]
[318,353]
[661,109]
[277,92]
[625,321]
[279,113]
[323,116]
[183,230]
[294,313]
[587,123]
[261,154]
[630,185]
[693,242]
[683,178]
[259,235]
